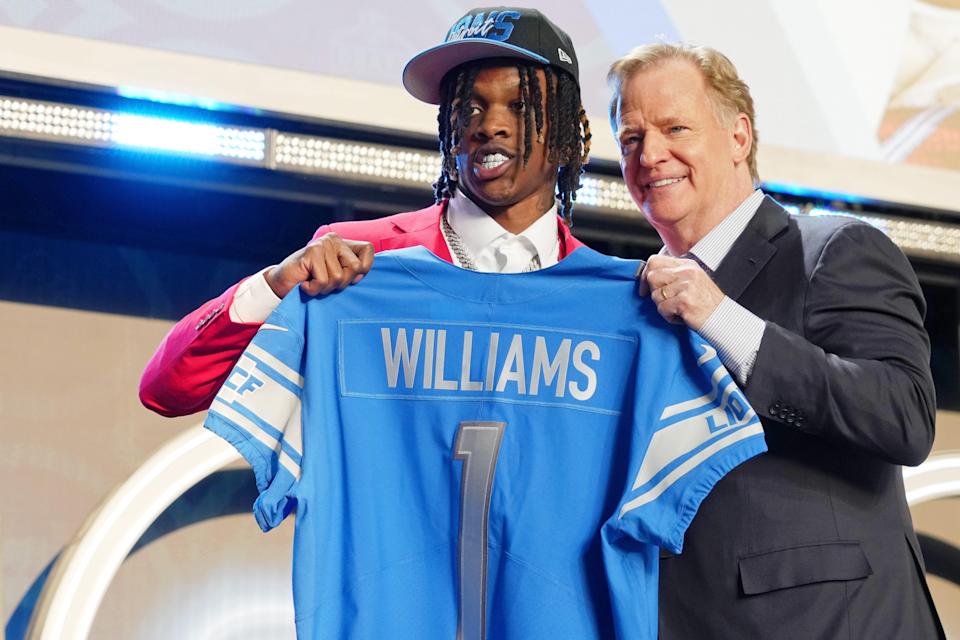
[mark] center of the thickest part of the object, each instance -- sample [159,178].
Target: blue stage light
[195,138]
[180,99]
[811,194]
[96,127]
[275,150]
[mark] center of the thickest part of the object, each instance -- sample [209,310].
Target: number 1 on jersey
[477,445]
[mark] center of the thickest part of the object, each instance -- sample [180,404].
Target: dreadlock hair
[567,127]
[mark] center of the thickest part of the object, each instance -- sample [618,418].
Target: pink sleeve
[194,358]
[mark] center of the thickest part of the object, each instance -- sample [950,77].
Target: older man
[821,321]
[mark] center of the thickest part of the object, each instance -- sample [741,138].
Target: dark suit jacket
[814,538]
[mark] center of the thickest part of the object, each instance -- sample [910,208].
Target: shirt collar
[714,247]
[478,231]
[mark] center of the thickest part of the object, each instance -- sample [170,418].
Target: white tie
[513,256]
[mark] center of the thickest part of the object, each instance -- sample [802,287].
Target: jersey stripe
[678,439]
[240,421]
[682,407]
[275,402]
[281,436]
[657,490]
[275,364]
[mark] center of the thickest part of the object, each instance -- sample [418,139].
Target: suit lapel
[752,250]
[422,228]
[568,243]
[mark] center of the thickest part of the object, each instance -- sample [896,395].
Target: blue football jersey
[474,455]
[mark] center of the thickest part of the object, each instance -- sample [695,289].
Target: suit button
[799,421]
[790,418]
[783,414]
[774,409]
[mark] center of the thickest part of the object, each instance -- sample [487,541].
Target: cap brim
[422,75]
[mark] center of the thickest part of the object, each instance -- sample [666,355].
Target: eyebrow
[670,120]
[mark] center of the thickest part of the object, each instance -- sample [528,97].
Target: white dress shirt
[496,250]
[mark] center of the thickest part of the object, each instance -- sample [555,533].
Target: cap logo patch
[498,25]
[564,56]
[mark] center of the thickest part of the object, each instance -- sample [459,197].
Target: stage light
[38,120]
[52,122]
[914,237]
[605,193]
[192,138]
[308,154]
[274,150]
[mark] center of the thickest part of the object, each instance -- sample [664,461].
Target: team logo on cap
[497,25]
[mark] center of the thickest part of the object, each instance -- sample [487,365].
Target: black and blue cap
[494,32]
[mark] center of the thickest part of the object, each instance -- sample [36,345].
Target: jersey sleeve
[691,427]
[257,410]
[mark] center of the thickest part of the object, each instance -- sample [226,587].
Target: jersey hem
[245,446]
[750,448]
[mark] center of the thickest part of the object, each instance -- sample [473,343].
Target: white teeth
[493,160]
[666,181]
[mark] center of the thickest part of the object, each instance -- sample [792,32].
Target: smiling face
[684,168]
[490,162]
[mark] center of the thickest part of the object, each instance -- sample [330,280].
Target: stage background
[858,97]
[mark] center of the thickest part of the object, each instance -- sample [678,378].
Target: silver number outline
[478,446]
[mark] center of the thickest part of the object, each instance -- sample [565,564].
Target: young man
[821,321]
[513,135]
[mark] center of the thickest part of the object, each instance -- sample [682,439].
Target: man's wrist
[736,334]
[254,300]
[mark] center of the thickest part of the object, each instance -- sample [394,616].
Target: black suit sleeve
[860,374]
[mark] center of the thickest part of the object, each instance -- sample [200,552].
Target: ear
[742,139]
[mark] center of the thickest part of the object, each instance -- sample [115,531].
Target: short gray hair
[729,95]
